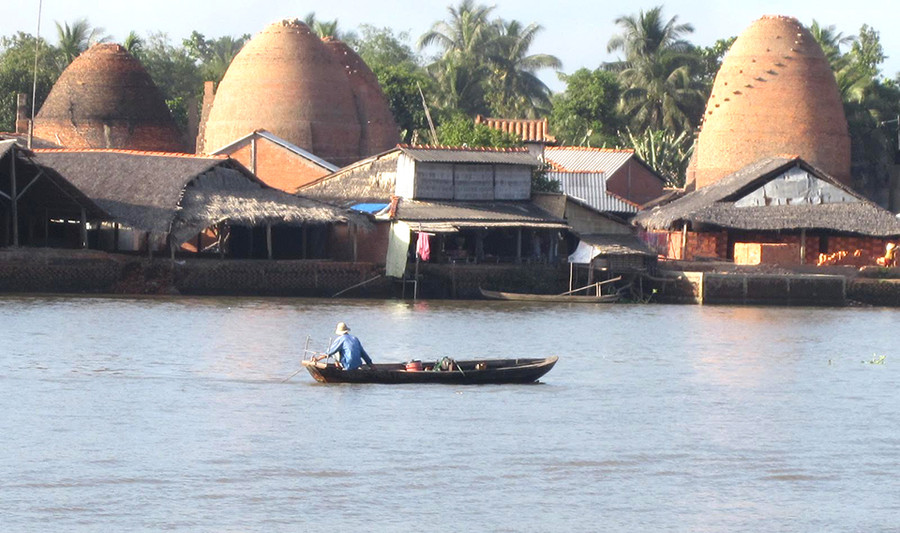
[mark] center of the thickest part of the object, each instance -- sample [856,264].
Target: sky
[575,31]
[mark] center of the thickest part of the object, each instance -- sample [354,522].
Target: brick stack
[774,94]
[106,99]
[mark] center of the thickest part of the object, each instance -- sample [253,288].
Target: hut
[778,210]
[39,208]
[154,201]
[775,93]
[314,95]
[106,99]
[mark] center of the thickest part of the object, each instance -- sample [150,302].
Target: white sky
[574,31]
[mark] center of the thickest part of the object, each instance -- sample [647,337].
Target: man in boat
[352,353]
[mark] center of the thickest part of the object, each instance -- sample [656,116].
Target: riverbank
[42,270]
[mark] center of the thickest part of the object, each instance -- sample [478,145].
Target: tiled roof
[529,130]
[580,159]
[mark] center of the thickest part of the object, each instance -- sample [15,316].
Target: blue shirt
[352,352]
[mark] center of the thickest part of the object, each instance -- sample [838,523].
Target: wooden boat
[480,371]
[568,298]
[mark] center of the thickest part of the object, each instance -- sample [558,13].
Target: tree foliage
[17,73]
[485,66]
[665,152]
[661,90]
[585,114]
[460,130]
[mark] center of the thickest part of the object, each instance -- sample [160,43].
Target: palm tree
[659,89]
[515,89]
[465,41]
[327,28]
[852,76]
[75,39]
[133,43]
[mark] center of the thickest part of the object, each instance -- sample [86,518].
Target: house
[777,210]
[475,204]
[275,161]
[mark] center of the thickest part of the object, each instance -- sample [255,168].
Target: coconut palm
[327,28]
[133,43]
[515,90]
[75,39]
[659,89]
[465,41]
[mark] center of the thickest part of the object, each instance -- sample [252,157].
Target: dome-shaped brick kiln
[106,99]
[774,94]
[379,130]
[288,82]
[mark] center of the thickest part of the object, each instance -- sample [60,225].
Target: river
[172,414]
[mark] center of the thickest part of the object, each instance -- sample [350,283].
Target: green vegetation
[472,62]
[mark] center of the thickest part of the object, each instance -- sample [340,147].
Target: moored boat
[561,298]
[473,372]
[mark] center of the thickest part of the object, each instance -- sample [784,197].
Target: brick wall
[635,183]
[277,166]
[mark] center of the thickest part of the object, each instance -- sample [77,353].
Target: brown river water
[172,414]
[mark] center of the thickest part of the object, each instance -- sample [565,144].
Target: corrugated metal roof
[579,159]
[590,188]
[435,154]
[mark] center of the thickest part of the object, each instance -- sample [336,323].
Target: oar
[305,351]
[292,375]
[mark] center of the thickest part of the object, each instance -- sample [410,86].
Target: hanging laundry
[423,247]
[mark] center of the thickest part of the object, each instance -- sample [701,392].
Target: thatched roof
[612,244]
[714,205]
[42,189]
[6,146]
[181,194]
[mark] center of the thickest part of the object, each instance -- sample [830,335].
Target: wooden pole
[269,240]
[355,229]
[14,197]
[571,275]
[416,280]
[519,245]
[84,235]
[803,246]
[684,242]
